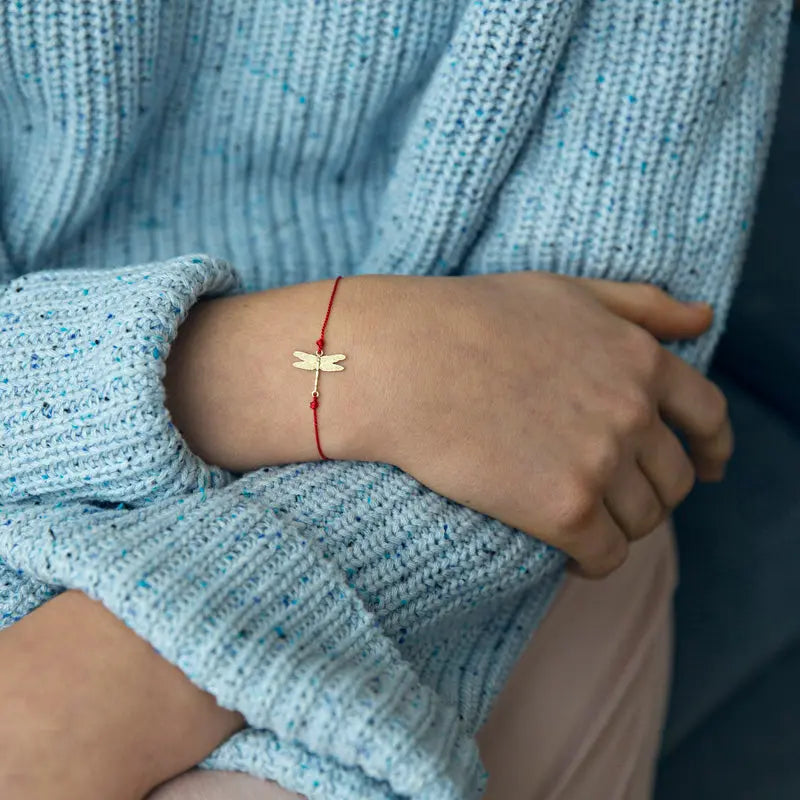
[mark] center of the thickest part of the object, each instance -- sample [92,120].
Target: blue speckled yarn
[361,623]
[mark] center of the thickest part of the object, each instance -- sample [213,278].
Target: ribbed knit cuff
[82,357]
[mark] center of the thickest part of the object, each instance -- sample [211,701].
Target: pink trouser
[581,715]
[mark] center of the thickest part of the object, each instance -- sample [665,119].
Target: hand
[90,711]
[541,401]
[537,399]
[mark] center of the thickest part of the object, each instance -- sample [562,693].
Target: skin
[96,712]
[542,401]
[583,459]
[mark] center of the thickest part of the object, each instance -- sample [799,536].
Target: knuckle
[601,461]
[650,517]
[675,491]
[716,412]
[637,411]
[647,353]
[575,507]
[613,555]
[682,485]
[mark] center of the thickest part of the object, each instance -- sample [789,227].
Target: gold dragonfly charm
[318,362]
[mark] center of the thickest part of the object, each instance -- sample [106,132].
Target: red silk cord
[314,404]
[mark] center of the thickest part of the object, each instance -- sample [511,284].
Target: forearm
[96,710]
[231,388]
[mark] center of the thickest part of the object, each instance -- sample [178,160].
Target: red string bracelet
[319,362]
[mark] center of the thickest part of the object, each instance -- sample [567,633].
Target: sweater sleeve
[82,356]
[326,603]
[361,623]
[345,610]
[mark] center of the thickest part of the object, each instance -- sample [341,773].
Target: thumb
[651,308]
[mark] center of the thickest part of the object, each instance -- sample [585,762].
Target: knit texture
[361,623]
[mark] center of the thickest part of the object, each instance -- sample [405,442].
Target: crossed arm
[490,390]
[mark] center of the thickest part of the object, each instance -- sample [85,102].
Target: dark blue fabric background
[734,726]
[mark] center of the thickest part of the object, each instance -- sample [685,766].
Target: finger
[699,409]
[597,544]
[713,470]
[633,502]
[663,460]
[651,308]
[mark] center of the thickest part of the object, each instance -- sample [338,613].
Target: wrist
[361,408]
[235,397]
[350,402]
[229,383]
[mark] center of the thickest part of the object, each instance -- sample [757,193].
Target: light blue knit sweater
[361,623]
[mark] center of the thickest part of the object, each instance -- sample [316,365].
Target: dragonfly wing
[307,360]
[328,363]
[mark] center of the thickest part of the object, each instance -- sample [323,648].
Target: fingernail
[700,304]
